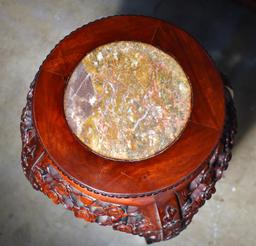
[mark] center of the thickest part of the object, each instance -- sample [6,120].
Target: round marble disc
[127,100]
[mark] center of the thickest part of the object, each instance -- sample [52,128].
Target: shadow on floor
[227,30]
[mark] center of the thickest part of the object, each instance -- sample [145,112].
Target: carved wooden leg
[183,202]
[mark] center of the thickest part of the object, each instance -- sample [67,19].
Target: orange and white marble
[127,100]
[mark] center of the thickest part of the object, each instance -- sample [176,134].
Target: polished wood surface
[109,177]
[154,198]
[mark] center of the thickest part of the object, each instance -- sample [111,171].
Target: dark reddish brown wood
[142,177]
[170,186]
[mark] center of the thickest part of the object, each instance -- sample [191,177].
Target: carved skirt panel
[175,213]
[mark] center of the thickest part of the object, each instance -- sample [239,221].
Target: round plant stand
[139,183]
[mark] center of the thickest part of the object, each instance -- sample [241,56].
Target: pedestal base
[154,198]
[174,207]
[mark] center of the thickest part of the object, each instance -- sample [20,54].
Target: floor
[29,29]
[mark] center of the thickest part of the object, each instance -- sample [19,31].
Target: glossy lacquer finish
[157,197]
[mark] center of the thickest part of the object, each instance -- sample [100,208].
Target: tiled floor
[29,29]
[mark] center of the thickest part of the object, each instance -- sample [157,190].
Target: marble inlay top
[127,100]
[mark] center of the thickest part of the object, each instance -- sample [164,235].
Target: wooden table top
[125,179]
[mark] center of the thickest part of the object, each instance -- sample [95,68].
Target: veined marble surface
[127,100]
